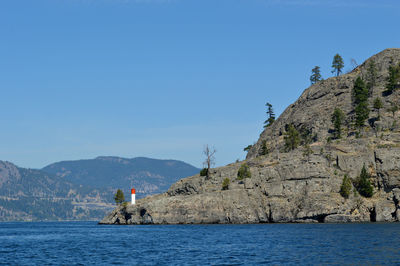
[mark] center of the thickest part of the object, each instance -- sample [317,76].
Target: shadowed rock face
[290,186]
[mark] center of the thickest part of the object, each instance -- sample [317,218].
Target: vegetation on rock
[244,172]
[271,115]
[337,64]
[337,120]
[292,138]
[264,148]
[363,184]
[393,79]
[360,94]
[316,75]
[345,188]
[248,148]
[210,158]
[378,105]
[306,136]
[225,184]
[203,172]
[119,197]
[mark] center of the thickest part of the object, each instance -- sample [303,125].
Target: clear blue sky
[159,78]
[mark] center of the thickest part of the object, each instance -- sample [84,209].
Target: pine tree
[264,148]
[337,120]
[337,64]
[345,188]
[377,106]
[360,93]
[119,197]
[248,148]
[362,114]
[316,75]
[292,138]
[271,115]
[364,185]
[393,79]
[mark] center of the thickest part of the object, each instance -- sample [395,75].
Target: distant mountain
[82,189]
[31,195]
[148,176]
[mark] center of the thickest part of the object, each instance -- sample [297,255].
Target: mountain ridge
[39,194]
[118,172]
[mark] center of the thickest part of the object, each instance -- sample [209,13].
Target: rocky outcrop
[296,186]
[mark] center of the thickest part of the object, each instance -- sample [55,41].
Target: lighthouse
[133,196]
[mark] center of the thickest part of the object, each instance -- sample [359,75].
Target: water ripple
[82,243]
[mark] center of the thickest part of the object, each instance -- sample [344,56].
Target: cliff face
[295,186]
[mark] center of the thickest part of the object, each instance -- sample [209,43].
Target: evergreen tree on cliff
[393,79]
[316,75]
[378,105]
[364,185]
[337,120]
[337,64]
[360,94]
[292,138]
[271,115]
[119,197]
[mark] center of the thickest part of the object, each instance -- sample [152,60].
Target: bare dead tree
[353,63]
[210,158]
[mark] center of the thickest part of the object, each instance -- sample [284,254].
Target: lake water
[72,243]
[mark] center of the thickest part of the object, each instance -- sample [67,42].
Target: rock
[342,218]
[290,186]
[385,211]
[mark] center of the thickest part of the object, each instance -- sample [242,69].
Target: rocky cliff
[303,184]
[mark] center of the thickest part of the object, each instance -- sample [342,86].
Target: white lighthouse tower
[133,196]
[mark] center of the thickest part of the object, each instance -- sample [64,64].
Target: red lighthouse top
[133,191]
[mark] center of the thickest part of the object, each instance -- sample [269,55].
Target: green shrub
[337,120]
[203,172]
[364,186]
[292,138]
[264,148]
[345,188]
[225,184]
[393,79]
[248,148]
[244,172]
[119,197]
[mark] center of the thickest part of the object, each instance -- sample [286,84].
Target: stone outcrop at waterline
[294,186]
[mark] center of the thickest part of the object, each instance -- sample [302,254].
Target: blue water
[72,243]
